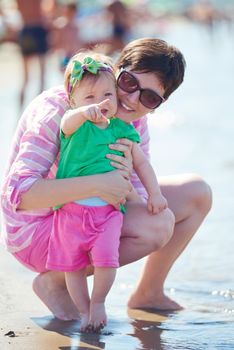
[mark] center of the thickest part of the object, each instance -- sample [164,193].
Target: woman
[147,70]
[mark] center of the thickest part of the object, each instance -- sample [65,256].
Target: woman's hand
[123,163]
[114,187]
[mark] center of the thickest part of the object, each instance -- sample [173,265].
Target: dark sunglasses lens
[127,82]
[150,99]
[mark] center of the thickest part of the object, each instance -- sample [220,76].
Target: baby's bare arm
[144,170]
[74,118]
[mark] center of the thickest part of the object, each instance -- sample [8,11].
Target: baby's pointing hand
[95,112]
[104,106]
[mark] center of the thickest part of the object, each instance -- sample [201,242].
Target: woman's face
[129,106]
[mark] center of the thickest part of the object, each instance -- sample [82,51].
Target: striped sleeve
[37,152]
[33,153]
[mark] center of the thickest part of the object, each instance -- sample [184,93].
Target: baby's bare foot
[98,319]
[84,322]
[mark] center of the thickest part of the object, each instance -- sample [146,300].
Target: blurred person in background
[120,22]
[206,13]
[33,40]
[65,36]
[10,22]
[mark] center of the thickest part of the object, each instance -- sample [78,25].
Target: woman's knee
[200,194]
[152,231]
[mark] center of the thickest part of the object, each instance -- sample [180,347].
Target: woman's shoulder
[55,96]
[140,124]
[50,105]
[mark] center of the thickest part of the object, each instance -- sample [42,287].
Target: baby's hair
[80,56]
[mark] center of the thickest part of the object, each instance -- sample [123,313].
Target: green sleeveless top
[84,152]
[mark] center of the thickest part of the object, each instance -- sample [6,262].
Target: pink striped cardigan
[34,155]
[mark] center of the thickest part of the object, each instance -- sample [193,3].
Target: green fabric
[84,152]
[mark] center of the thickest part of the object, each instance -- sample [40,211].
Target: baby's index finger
[104,106]
[104,103]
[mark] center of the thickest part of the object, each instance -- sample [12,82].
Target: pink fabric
[33,156]
[84,235]
[35,255]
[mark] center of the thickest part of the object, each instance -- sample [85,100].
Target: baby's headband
[88,65]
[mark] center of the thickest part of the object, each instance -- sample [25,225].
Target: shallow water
[193,132]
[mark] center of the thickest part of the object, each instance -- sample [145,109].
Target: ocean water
[192,132]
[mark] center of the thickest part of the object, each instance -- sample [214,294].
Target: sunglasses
[129,83]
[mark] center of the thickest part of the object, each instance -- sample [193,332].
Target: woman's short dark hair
[155,56]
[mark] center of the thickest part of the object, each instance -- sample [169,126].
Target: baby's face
[93,91]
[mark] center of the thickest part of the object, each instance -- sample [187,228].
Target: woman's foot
[49,287]
[157,301]
[97,319]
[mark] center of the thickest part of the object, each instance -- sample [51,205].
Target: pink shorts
[84,235]
[35,255]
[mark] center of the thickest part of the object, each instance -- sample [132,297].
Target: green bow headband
[88,65]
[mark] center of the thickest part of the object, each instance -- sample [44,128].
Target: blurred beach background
[192,132]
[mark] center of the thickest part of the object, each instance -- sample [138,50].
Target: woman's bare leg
[190,198]
[51,288]
[143,233]
[42,63]
[26,63]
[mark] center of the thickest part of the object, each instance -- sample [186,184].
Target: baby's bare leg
[103,280]
[78,289]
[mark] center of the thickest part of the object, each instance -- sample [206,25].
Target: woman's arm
[27,186]
[36,144]
[111,187]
